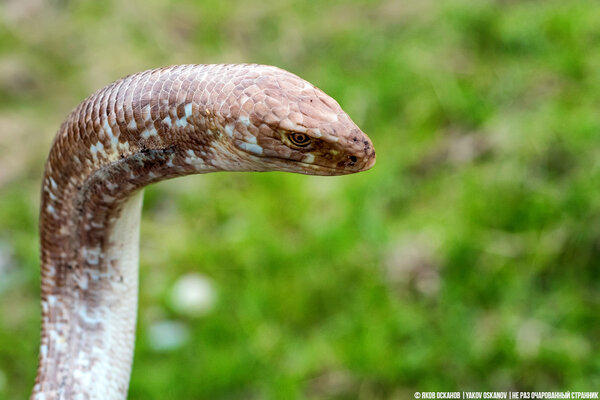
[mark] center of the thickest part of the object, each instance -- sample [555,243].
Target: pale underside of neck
[92,358]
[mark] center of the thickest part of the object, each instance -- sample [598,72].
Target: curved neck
[110,147]
[89,324]
[90,279]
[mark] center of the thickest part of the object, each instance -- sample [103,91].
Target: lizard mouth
[319,169]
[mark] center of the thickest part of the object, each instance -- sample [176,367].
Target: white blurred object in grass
[528,338]
[413,261]
[193,294]
[167,335]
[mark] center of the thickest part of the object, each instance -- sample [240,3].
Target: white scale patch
[108,130]
[309,158]
[183,122]
[82,281]
[97,148]
[85,317]
[57,338]
[149,132]
[52,300]
[290,126]
[229,130]
[245,120]
[124,147]
[91,255]
[251,147]
[95,275]
[115,146]
[194,160]
[114,142]
[44,350]
[170,162]
[83,379]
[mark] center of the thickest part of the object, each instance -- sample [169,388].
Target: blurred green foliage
[466,259]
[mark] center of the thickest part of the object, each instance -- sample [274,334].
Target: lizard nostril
[353,159]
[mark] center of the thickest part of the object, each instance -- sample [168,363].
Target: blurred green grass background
[466,259]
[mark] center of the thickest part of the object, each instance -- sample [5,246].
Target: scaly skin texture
[148,127]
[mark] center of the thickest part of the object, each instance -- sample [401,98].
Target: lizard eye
[299,139]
